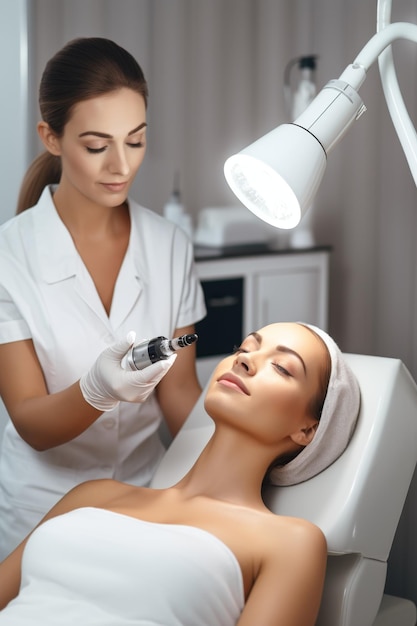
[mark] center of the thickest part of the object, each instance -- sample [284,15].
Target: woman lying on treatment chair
[205,551]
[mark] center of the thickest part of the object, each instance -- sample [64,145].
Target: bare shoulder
[92,493]
[292,537]
[296,528]
[291,564]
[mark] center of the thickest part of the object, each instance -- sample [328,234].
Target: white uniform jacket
[47,294]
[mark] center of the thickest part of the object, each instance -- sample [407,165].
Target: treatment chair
[357,501]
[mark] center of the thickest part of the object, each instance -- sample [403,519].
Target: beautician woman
[81,265]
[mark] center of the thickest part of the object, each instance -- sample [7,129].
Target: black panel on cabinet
[222,328]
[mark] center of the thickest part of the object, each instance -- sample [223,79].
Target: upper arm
[10,574]
[180,389]
[289,585]
[21,375]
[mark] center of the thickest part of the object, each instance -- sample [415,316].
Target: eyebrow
[284,349]
[106,136]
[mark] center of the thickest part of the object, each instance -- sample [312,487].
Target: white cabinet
[244,293]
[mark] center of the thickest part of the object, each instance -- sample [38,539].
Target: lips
[234,382]
[116,187]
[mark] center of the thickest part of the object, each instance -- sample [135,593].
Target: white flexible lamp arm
[393,97]
[328,117]
[381,40]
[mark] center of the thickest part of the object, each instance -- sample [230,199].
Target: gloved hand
[107,383]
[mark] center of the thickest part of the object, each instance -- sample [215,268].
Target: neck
[231,468]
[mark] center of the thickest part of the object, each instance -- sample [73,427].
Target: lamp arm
[395,103]
[382,39]
[338,104]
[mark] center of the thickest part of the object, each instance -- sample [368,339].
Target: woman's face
[103,146]
[266,387]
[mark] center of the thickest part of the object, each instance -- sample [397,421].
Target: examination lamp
[277,176]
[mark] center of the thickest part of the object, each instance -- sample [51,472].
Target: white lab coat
[47,294]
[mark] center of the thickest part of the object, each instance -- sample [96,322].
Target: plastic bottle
[302,236]
[174,210]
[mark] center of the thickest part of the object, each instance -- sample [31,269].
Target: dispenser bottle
[174,210]
[306,87]
[302,236]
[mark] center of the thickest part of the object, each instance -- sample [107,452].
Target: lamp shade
[277,176]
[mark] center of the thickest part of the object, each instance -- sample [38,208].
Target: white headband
[336,426]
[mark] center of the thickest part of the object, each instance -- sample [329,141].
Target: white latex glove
[107,382]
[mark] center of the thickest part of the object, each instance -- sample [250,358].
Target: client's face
[268,384]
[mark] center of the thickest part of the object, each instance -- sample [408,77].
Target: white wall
[14,101]
[13,110]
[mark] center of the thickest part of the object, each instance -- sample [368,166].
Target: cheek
[79,165]
[277,398]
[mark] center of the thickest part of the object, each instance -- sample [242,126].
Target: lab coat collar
[57,260]
[133,276]
[137,243]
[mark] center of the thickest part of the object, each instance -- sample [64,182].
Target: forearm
[178,405]
[43,419]
[53,419]
[180,389]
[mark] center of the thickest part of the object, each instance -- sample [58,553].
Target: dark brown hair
[85,68]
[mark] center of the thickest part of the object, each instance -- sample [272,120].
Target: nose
[118,162]
[245,361]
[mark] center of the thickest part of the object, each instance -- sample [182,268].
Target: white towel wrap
[336,426]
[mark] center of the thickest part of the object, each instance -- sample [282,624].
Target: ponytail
[44,170]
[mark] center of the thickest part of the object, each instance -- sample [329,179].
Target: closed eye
[139,144]
[96,150]
[281,369]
